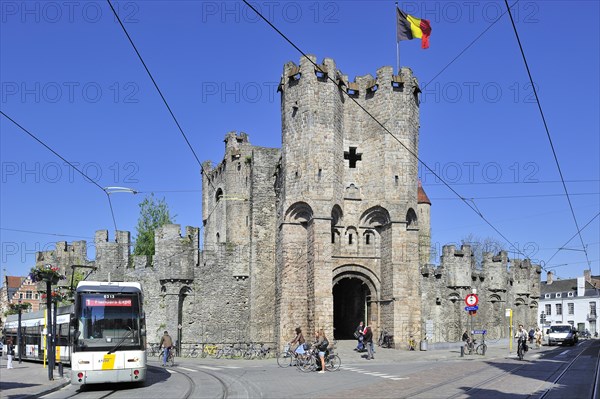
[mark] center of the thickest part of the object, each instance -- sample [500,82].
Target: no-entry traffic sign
[471,300]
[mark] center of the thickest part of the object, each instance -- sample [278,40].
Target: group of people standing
[364,335]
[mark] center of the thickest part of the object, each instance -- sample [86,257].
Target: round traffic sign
[471,300]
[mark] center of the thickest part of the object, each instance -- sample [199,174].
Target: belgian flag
[409,27]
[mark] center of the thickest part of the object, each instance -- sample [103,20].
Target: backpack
[324,345]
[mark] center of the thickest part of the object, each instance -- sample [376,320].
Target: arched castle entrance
[355,296]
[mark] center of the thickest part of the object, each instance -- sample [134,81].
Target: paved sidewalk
[28,380]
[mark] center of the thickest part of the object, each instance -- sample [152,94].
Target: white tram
[108,333]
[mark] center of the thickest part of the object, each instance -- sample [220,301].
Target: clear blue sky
[69,75]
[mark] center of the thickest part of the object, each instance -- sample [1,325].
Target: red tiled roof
[422,198]
[14,281]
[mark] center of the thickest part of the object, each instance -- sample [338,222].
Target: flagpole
[397,42]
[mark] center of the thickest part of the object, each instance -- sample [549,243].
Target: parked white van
[562,334]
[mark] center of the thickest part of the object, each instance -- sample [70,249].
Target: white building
[573,301]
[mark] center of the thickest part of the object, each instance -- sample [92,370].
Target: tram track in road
[190,392]
[545,388]
[454,380]
[555,379]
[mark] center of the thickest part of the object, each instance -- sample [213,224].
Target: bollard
[60,370]
[462,351]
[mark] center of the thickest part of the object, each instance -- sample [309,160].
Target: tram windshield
[108,320]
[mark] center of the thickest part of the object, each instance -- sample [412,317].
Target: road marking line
[389,376]
[186,369]
[231,367]
[399,378]
[209,368]
[171,371]
[565,352]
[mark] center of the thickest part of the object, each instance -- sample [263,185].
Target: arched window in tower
[218,238]
[411,218]
[218,195]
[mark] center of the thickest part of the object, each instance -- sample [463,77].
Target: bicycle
[170,358]
[152,350]
[209,350]
[482,347]
[470,346]
[521,348]
[194,352]
[230,352]
[412,344]
[256,351]
[311,361]
[287,357]
[386,340]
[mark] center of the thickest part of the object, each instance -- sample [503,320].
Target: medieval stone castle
[329,230]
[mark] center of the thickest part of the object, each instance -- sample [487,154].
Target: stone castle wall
[339,205]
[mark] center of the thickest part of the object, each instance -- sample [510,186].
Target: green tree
[153,214]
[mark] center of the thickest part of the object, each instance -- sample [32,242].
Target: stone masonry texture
[333,221]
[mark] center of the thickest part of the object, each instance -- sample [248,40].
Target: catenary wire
[466,48]
[388,131]
[514,196]
[158,89]
[537,100]
[574,235]
[44,233]
[69,163]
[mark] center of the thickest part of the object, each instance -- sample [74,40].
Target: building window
[558,309]
[570,294]
[570,308]
[558,295]
[28,295]
[548,310]
[547,296]
[37,296]
[20,295]
[593,308]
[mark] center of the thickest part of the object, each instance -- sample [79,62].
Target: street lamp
[19,346]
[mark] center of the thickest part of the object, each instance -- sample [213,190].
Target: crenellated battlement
[364,86]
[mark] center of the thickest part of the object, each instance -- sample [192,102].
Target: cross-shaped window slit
[352,156]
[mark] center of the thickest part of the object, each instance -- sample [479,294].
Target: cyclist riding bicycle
[166,342]
[521,336]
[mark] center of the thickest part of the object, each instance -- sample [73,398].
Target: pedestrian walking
[10,353]
[368,341]
[358,334]
[538,338]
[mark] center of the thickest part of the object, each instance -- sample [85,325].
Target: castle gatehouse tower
[348,231]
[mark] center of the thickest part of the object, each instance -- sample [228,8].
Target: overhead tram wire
[468,46]
[390,133]
[45,234]
[537,100]
[574,235]
[112,212]
[158,89]
[513,196]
